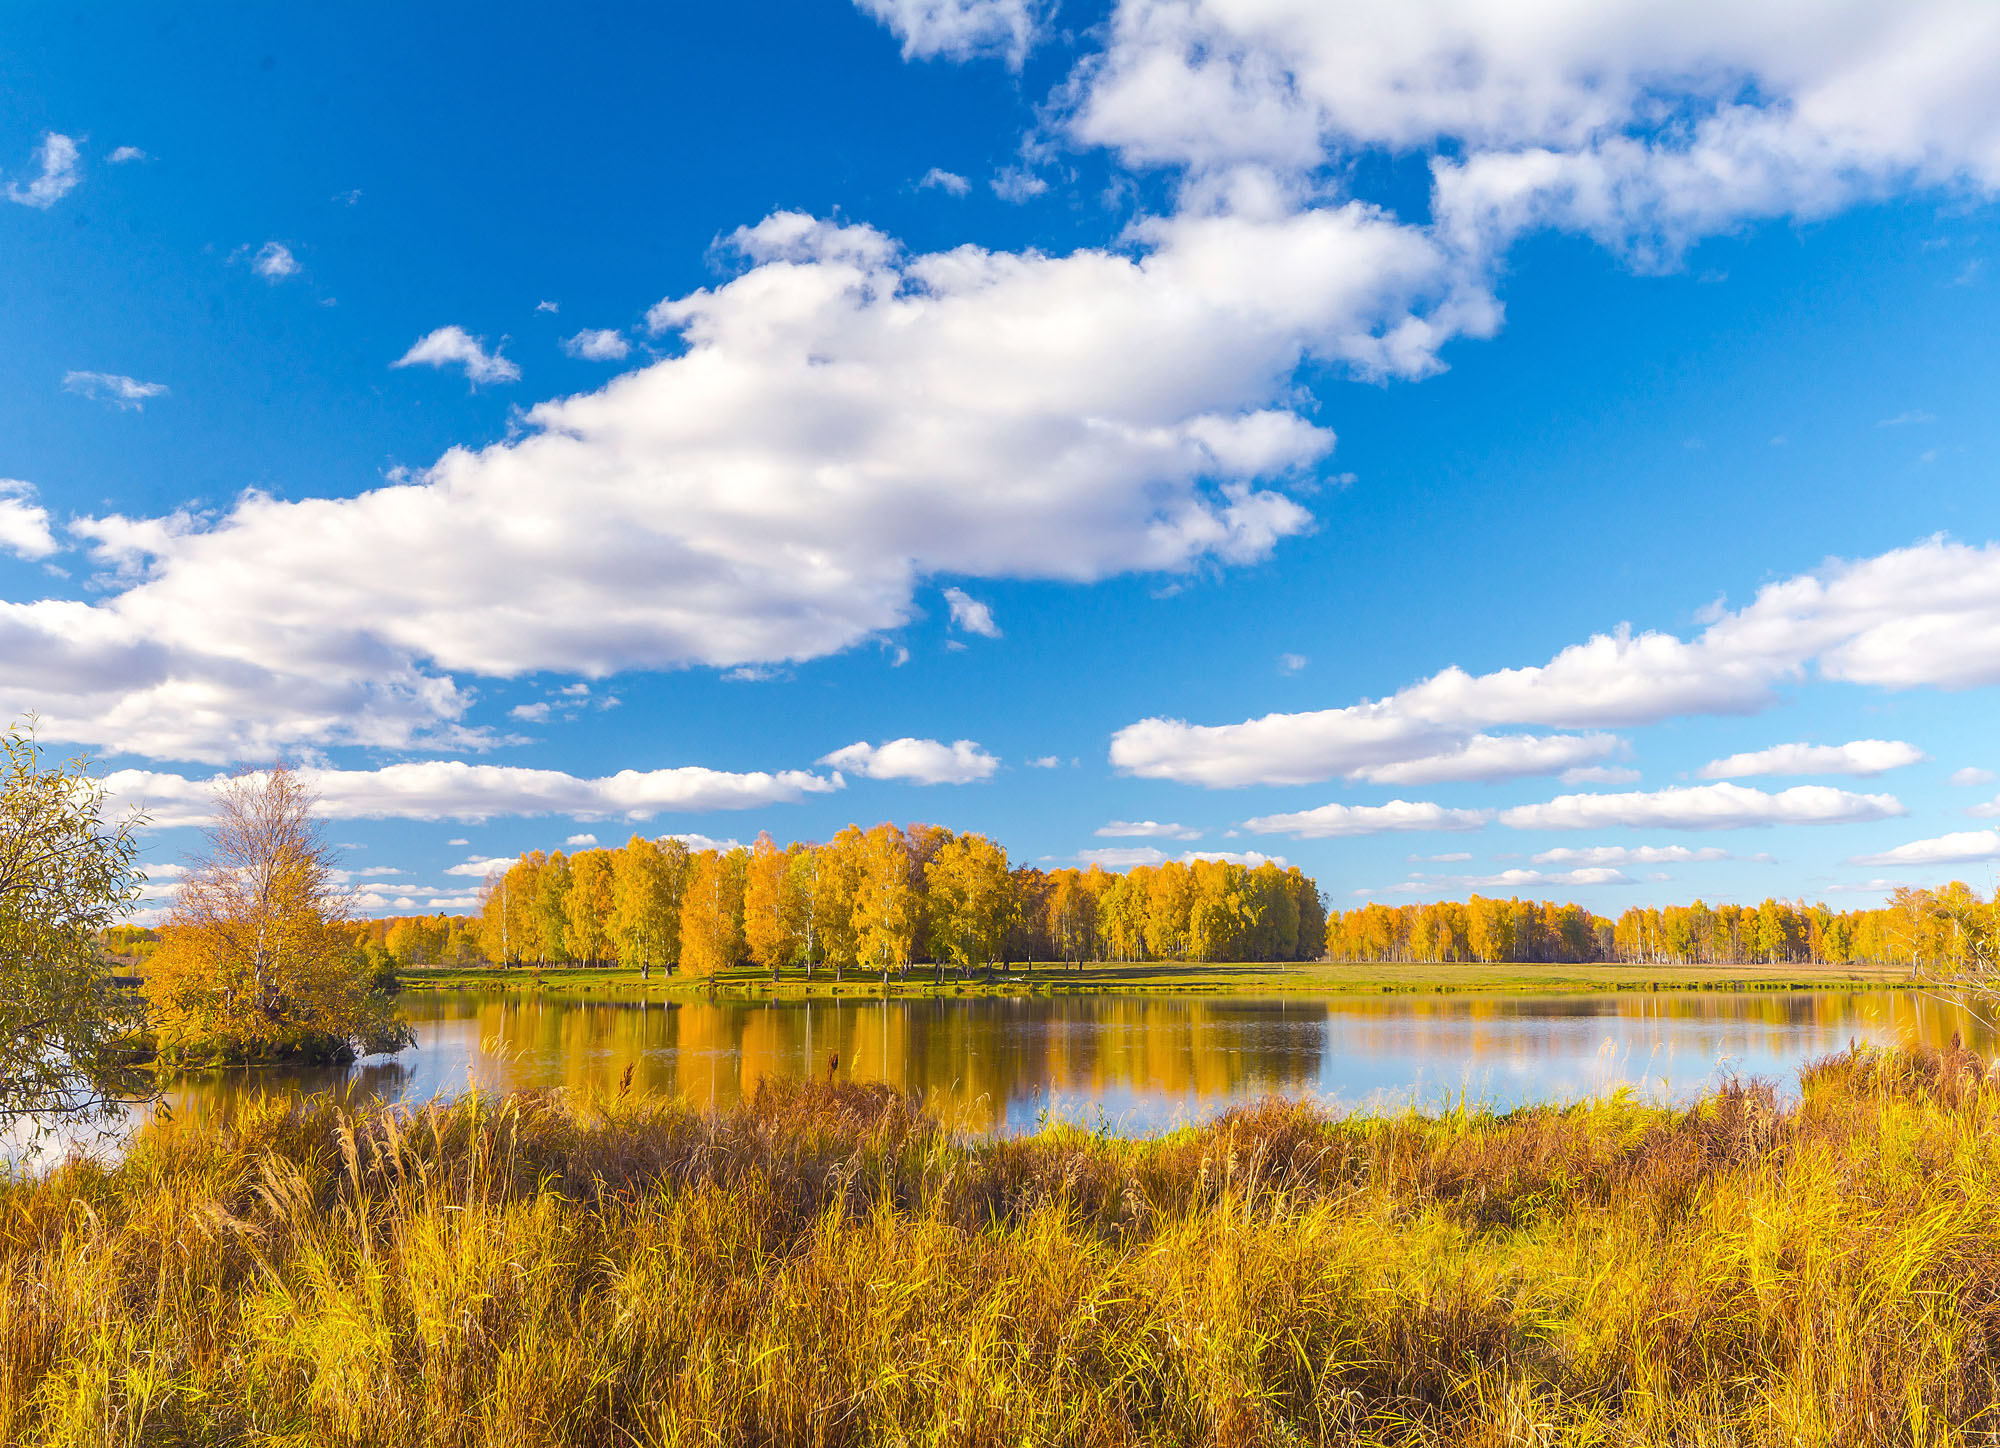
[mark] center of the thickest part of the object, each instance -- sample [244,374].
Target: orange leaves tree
[66,1027]
[257,961]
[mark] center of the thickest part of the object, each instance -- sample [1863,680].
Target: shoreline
[1317,978]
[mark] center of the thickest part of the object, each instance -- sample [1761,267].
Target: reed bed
[828,1264]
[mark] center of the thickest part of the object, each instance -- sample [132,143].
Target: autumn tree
[712,915]
[647,882]
[884,903]
[257,962]
[66,1027]
[767,927]
[971,902]
[587,909]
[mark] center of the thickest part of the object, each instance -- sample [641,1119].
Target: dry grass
[829,1265]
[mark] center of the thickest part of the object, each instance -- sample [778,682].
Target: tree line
[885,899]
[1949,930]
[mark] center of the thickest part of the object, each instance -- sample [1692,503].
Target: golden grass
[829,1265]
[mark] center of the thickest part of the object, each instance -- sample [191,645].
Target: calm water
[1135,1063]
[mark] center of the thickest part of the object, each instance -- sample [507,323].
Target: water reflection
[1137,1063]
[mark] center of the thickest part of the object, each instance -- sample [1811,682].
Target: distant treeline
[1949,928]
[881,899]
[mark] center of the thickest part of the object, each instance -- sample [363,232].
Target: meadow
[827,1264]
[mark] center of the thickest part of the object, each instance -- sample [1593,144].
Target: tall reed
[831,1265]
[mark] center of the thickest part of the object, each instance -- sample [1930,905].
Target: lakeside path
[1316,978]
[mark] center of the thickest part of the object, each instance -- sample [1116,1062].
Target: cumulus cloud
[597,345]
[1017,184]
[1925,615]
[1600,774]
[1858,757]
[1146,830]
[1488,757]
[944,180]
[479,867]
[127,394]
[961,29]
[126,154]
[57,157]
[1046,761]
[1963,848]
[453,789]
[580,842]
[455,347]
[1645,126]
[920,761]
[1599,855]
[24,523]
[835,425]
[274,262]
[1704,807]
[970,614]
[1970,777]
[1331,821]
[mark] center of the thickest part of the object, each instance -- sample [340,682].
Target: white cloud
[479,867]
[1515,879]
[550,307]
[580,842]
[1451,857]
[944,180]
[24,523]
[1331,821]
[1017,184]
[1863,757]
[1970,777]
[452,789]
[57,157]
[1704,807]
[274,262]
[1146,830]
[1645,125]
[1122,857]
[598,345]
[1904,419]
[1291,663]
[458,842]
[451,902]
[124,154]
[836,424]
[1962,848]
[1600,774]
[535,713]
[970,614]
[920,761]
[1987,811]
[962,29]
[127,394]
[1486,757]
[455,347]
[1599,855]
[1249,859]
[1925,615]
[1046,761]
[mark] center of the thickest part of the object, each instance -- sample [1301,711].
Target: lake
[1132,1063]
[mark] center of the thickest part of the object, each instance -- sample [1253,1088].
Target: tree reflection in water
[1136,1062]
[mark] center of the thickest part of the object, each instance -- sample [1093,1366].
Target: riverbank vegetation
[829,1264]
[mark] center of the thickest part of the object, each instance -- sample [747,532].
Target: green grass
[1319,977]
[828,1265]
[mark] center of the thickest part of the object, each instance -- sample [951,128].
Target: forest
[1950,928]
[883,899]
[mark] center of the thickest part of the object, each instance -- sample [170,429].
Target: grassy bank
[1316,977]
[827,1265]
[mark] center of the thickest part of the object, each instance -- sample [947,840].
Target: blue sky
[550,430]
